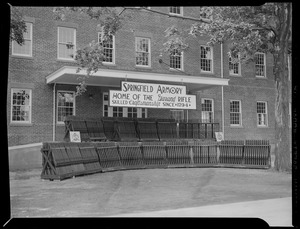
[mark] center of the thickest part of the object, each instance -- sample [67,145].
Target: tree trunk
[282,130]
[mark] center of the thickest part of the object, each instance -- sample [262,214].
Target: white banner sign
[148,95]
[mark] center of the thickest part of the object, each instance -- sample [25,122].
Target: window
[260,65]
[235,113]
[262,114]
[176,10]
[130,112]
[206,58]
[176,59]
[66,43]
[142,112]
[20,105]
[108,48]
[178,115]
[234,67]
[26,48]
[106,109]
[142,51]
[65,105]
[117,111]
[207,112]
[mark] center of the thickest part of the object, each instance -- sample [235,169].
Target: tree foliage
[17,26]
[250,29]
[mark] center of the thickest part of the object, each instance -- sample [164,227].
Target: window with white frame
[206,58]
[234,66]
[176,10]
[260,64]
[178,115]
[235,113]
[20,105]
[262,114]
[176,59]
[66,44]
[65,105]
[207,110]
[107,111]
[26,48]
[108,48]
[130,112]
[142,51]
[117,112]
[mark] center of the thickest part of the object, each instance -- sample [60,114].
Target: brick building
[239,97]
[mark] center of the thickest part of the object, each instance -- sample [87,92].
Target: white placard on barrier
[75,136]
[219,136]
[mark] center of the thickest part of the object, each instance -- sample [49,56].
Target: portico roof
[112,78]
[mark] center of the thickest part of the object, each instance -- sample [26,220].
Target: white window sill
[22,57]
[174,14]
[20,124]
[262,127]
[261,77]
[66,60]
[143,67]
[204,72]
[176,69]
[109,63]
[232,126]
[236,75]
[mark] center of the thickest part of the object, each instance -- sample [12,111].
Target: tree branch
[170,15]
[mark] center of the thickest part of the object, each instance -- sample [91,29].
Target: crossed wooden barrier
[63,160]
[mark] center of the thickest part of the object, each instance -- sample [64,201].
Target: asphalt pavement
[183,192]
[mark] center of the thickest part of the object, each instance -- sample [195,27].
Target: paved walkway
[276,212]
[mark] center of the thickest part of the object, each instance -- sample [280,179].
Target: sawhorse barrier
[63,160]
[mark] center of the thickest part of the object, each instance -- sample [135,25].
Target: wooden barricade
[178,153]
[109,158]
[231,152]
[147,130]
[167,129]
[73,123]
[56,163]
[130,155]
[126,129]
[90,158]
[204,153]
[257,153]
[95,130]
[75,158]
[154,154]
[109,127]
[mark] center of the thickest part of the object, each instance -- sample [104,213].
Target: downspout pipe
[54,112]
[222,89]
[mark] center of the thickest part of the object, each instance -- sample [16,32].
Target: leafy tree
[17,26]
[250,29]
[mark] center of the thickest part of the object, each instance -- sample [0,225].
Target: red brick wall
[247,88]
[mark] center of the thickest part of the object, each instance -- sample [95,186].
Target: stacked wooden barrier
[178,153]
[108,155]
[63,160]
[154,154]
[137,129]
[248,153]
[204,153]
